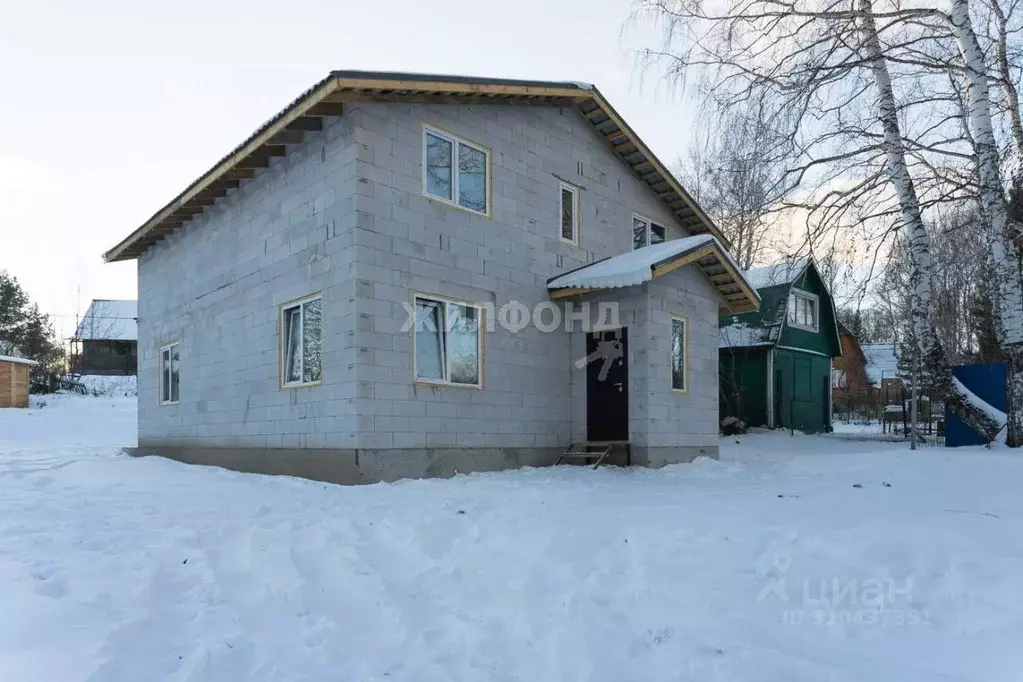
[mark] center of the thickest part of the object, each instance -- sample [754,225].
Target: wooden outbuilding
[14,381]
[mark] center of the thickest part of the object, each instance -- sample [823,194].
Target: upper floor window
[456,171]
[569,213]
[300,342]
[170,377]
[803,309]
[645,231]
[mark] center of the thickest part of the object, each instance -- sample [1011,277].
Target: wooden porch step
[589,450]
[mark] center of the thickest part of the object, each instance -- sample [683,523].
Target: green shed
[775,363]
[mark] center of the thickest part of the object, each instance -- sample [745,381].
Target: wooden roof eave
[130,247]
[328,98]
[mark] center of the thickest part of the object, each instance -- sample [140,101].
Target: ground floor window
[170,378]
[300,342]
[448,345]
[679,340]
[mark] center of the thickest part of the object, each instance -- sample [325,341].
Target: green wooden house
[775,363]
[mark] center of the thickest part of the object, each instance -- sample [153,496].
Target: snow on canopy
[634,267]
[882,361]
[109,320]
[742,335]
[777,274]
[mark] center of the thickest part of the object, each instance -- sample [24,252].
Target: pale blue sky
[112,107]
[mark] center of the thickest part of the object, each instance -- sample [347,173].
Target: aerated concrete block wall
[406,243]
[343,215]
[216,286]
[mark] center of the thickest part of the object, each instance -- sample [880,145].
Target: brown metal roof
[328,98]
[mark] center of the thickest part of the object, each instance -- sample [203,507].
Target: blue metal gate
[987,382]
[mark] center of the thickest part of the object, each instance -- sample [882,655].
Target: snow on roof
[882,361]
[741,335]
[18,361]
[110,320]
[777,274]
[628,269]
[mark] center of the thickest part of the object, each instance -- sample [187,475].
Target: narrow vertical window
[456,171]
[439,179]
[447,342]
[639,229]
[301,346]
[678,353]
[569,214]
[472,178]
[170,377]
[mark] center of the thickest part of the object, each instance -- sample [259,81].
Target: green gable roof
[767,326]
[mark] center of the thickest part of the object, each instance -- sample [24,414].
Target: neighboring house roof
[882,361]
[763,326]
[328,98]
[741,335]
[17,361]
[779,274]
[652,261]
[109,320]
[844,331]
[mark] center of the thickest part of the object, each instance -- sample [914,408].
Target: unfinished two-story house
[411,275]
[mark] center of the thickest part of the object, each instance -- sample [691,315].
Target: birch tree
[735,174]
[817,61]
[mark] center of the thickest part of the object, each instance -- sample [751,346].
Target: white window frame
[791,314]
[455,141]
[282,360]
[685,354]
[166,348]
[562,188]
[649,229]
[445,301]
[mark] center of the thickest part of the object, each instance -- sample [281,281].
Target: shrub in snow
[733,426]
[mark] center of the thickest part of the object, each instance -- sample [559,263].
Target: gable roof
[778,274]
[329,96]
[109,320]
[882,361]
[763,327]
[654,260]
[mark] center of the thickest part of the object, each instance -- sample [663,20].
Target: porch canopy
[653,261]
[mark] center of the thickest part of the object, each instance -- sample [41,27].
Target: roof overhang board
[329,97]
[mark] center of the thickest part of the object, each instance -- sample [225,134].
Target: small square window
[456,171]
[569,214]
[447,342]
[170,376]
[644,232]
[301,351]
[657,233]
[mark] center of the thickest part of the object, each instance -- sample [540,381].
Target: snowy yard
[805,558]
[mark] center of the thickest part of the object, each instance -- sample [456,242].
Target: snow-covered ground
[794,558]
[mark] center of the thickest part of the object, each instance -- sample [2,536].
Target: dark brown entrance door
[607,385]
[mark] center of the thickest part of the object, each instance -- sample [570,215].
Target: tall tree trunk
[1002,248]
[1005,79]
[932,355]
